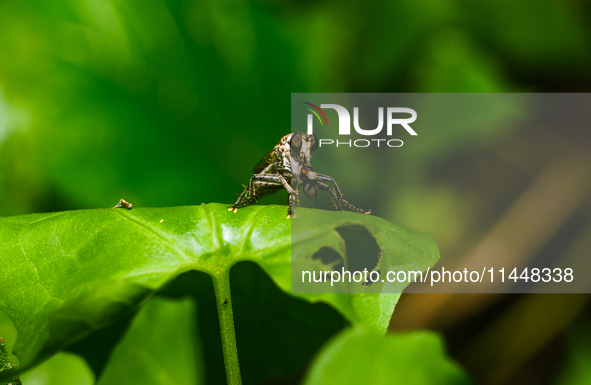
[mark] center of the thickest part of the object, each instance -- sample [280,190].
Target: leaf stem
[221,282]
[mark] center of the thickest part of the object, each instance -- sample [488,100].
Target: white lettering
[403,122]
[344,118]
[368,132]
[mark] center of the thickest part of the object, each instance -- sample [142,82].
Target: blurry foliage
[365,357]
[168,103]
[159,348]
[172,102]
[63,368]
[576,369]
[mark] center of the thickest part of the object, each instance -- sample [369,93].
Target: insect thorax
[283,154]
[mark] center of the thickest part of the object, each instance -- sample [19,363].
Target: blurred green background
[173,102]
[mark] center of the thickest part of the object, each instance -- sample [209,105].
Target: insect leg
[292,201]
[334,198]
[258,182]
[293,194]
[240,201]
[326,178]
[248,196]
[253,191]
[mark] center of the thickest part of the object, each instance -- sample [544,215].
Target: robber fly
[287,165]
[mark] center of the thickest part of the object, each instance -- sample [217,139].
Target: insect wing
[263,163]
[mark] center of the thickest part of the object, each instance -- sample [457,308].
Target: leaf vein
[156,233]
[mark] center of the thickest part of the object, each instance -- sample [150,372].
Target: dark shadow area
[199,286]
[277,334]
[97,347]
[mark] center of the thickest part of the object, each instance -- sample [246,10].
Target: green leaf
[66,275]
[61,369]
[159,348]
[7,364]
[361,356]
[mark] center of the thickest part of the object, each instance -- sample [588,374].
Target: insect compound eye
[296,141]
[314,143]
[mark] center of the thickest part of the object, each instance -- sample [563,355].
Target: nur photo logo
[393,117]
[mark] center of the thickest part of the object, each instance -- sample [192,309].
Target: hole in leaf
[327,256]
[361,247]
